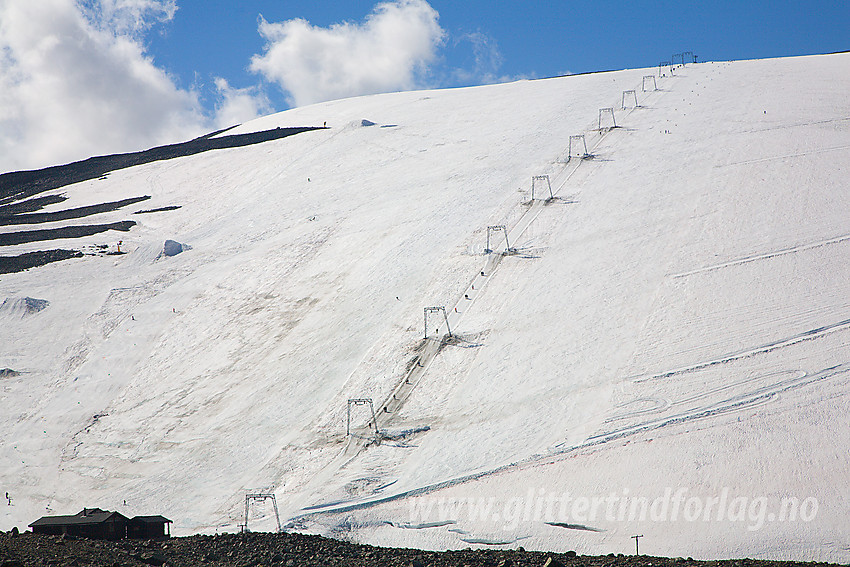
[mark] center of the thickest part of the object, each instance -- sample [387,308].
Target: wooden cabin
[94,523]
[149,527]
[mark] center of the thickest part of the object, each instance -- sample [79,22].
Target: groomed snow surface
[665,354]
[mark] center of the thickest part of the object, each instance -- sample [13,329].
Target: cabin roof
[88,516]
[152,519]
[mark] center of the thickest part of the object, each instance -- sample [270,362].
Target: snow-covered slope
[676,318]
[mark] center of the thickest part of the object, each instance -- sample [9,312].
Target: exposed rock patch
[22,306]
[21,262]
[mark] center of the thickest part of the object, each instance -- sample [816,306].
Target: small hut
[149,527]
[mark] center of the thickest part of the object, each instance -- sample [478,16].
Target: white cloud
[236,106]
[128,16]
[75,81]
[487,59]
[391,50]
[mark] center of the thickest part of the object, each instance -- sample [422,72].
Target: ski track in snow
[767,388]
[786,156]
[809,335]
[765,256]
[734,403]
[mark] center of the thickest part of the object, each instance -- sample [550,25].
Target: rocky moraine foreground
[296,550]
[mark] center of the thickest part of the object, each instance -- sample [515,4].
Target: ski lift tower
[261,497]
[359,402]
[580,149]
[628,96]
[497,228]
[609,111]
[541,179]
[432,311]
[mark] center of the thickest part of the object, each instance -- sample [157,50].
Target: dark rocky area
[21,262]
[296,550]
[158,210]
[30,205]
[25,236]
[19,185]
[79,212]
[19,203]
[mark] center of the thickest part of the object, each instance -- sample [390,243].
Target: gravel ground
[295,550]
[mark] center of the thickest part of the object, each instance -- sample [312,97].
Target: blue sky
[532,38]
[87,77]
